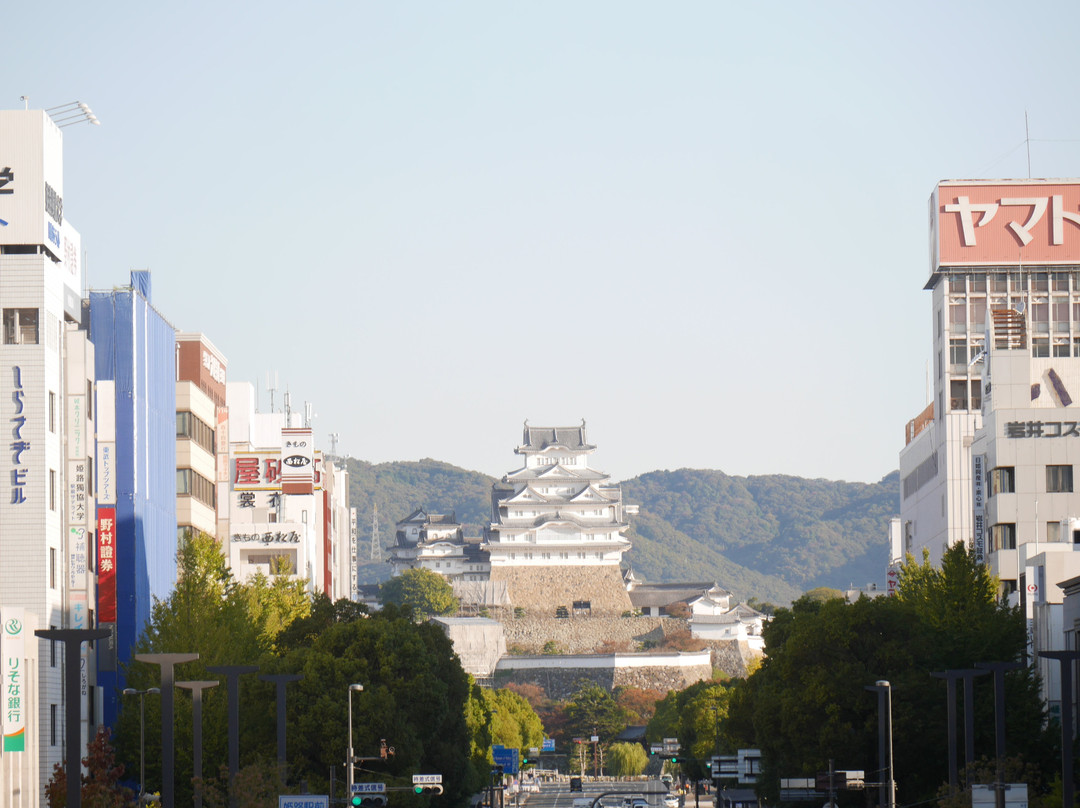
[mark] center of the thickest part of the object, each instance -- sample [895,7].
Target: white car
[672,801]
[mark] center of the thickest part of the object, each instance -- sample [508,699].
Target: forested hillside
[771,537]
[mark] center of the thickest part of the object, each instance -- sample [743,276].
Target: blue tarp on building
[135,348]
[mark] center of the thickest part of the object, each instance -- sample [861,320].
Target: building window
[54,734]
[1059,479]
[958,394]
[1002,480]
[191,427]
[89,400]
[1061,346]
[958,351]
[52,489]
[1053,531]
[191,483]
[20,326]
[52,568]
[1002,537]
[52,411]
[976,394]
[1040,347]
[52,650]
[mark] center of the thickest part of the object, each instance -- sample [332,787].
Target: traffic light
[368,800]
[428,789]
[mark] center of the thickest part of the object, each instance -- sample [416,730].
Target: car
[575,784]
[667,779]
[672,801]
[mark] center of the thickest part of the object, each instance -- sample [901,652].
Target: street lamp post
[349,760]
[887,790]
[130,691]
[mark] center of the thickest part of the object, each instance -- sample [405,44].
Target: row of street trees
[416,696]
[807,703]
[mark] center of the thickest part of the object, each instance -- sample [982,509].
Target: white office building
[991,461]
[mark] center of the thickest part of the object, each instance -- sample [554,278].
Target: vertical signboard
[14,681]
[20,443]
[978,499]
[78,556]
[107,565]
[297,461]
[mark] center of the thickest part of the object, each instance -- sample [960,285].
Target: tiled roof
[539,438]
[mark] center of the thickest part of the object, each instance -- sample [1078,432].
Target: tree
[416,696]
[100,784]
[695,716]
[592,710]
[626,760]
[425,591]
[806,704]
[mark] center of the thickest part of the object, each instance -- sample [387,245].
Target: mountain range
[769,537]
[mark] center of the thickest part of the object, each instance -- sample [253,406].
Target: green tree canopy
[426,592]
[807,702]
[625,760]
[416,695]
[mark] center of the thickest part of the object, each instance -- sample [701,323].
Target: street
[558,795]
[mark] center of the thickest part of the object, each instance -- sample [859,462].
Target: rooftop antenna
[288,407]
[271,388]
[333,443]
[309,414]
[1027,141]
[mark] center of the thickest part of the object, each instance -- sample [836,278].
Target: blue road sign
[549,744]
[507,758]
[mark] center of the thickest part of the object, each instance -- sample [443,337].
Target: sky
[699,226]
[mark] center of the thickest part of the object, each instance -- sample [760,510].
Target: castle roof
[542,438]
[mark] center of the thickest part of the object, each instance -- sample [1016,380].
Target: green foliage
[807,704]
[592,710]
[821,594]
[696,716]
[100,786]
[551,648]
[424,591]
[256,786]
[625,760]
[415,693]
[785,532]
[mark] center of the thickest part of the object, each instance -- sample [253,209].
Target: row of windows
[192,427]
[1003,535]
[193,484]
[1004,282]
[1002,480]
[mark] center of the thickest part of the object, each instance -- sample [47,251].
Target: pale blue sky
[700,226]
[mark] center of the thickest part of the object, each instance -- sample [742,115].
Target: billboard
[13,680]
[106,565]
[31,180]
[1005,222]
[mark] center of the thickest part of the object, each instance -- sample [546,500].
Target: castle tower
[556,527]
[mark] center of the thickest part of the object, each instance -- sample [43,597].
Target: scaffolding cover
[487,594]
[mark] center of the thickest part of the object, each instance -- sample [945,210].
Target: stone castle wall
[531,634]
[562,683]
[542,589]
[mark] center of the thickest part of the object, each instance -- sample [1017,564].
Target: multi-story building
[286,503]
[47,506]
[556,533]
[135,356]
[990,462]
[435,541]
[202,450]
